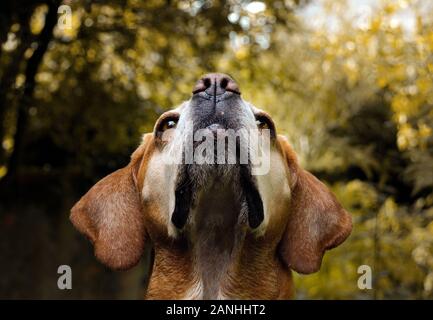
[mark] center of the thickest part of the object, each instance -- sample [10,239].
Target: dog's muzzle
[216,105]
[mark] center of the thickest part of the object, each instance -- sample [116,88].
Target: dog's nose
[216,84]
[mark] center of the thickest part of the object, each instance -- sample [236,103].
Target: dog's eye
[264,122]
[168,124]
[261,124]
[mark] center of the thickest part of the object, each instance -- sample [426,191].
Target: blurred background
[349,82]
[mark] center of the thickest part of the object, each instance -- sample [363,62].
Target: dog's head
[215,138]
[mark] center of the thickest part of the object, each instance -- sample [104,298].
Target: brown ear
[110,215]
[317,222]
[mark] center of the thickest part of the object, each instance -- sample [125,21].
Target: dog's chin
[196,179]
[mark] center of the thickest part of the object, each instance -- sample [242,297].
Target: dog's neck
[216,256]
[217,233]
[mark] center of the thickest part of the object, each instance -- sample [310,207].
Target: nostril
[202,85]
[224,83]
[230,85]
[207,82]
[216,84]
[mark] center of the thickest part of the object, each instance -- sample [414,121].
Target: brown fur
[118,223]
[177,263]
[317,221]
[110,216]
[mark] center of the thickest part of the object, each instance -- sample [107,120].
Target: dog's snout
[215,84]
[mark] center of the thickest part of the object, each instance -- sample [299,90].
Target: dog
[217,230]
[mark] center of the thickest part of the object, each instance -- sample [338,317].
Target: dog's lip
[214,127]
[250,198]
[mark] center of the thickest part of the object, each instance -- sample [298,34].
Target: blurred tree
[362,121]
[139,57]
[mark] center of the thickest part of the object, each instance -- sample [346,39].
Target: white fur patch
[159,187]
[272,186]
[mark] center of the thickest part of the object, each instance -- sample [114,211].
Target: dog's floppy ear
[317,222]
[110,214]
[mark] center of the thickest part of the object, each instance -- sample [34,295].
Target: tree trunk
[25,100]
[11,71]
